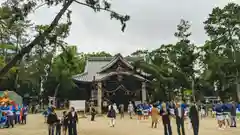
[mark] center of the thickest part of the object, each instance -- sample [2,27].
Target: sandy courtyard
[35,126]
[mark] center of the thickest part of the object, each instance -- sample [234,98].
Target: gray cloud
[153,22]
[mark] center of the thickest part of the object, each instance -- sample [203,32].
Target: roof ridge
[99,58]
[112,57]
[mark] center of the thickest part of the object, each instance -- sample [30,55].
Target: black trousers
[24,119]
[92,117]
[58,131]
[167,129]
[195,126]
[121,115]
[72,128]
[180,126]
[10,120]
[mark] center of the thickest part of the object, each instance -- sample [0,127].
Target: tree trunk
[193,91]
[56,90]
[40,37]
[237,88]
[222,93]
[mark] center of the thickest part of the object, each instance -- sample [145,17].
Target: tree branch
[39,7]
[40,37]
[123,19]
[85,4]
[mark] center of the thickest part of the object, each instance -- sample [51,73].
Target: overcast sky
[153,22]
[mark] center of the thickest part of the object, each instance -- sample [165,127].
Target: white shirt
[115,108]
[73,114]
[180,112]
[10,113]
[130,108]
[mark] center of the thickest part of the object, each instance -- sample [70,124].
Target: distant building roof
[96,65]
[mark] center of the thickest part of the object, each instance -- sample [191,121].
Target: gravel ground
[36,126]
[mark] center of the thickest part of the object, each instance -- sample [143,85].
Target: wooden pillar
[99,97]
[144,94]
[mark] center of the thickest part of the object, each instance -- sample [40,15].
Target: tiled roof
[104,76]
[95,64]
[114,60]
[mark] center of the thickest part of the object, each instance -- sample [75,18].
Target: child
[121,110]
[3,121]
[139,111]
[24,114]
[17,117]
[93,113]
[58,127]
[64,123]
[203,112]
[112,116]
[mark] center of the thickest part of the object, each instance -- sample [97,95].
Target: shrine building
[112,79]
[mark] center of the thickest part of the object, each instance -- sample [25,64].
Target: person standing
[130,109]
[73,120]
[93,113]
[165,113]
[121,110]
[226,114]
[194,117]
[179,115]
[233,115]
[64,123]
[58,127]
[115,107]
[112,116]
[51,120]
[24,115]
[219,115]
[10,118]
[202,111]
[18,113]
[155,116]
[140,111]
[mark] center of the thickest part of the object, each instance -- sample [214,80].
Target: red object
[16,106]
[21,114]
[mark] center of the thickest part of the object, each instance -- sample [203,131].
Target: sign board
[137,102]
[79,105]
[52,101]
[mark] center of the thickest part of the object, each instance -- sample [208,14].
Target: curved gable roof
[95,65]
[116,58]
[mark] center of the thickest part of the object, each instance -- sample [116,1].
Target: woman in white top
[130,109]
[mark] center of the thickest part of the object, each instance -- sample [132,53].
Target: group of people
[180,112]
[12,114]
[225,114]
[67,122]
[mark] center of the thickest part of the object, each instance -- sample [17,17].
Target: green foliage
[182,66]
[221,59]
